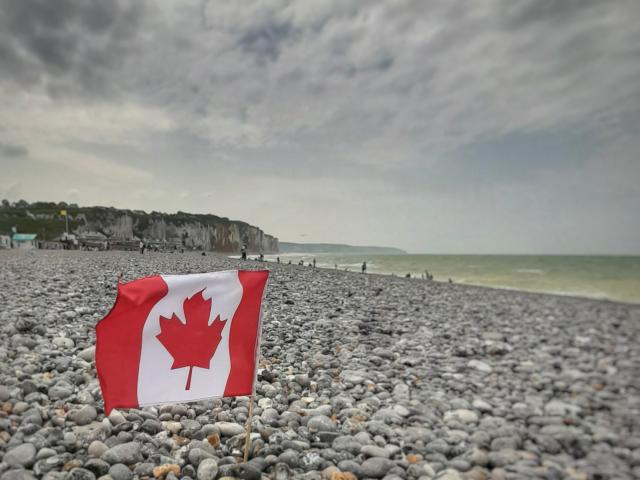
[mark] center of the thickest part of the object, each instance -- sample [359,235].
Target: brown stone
[343,476]
[162,470]
[214,440]
[71,464]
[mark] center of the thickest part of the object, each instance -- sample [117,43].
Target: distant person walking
[141,247]
[243,251]
[314,263]
[278,259]
[364,267]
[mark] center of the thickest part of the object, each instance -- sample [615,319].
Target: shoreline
[462,283]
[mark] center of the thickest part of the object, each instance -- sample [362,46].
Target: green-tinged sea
[606,277]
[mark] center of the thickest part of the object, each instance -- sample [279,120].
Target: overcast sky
[435,126]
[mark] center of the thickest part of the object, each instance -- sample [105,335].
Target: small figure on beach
[314,263]
[277,259]
[364,267]
[243,251]
[261,257]
[301,263]
[335,266]
[142,247]
[450,281]
[408,275]
[289,262]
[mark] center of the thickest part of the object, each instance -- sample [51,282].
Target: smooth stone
[5,393]
[88,354]
[481,405]
[81,474]
[463,415]
[373,451]
[321,423]
[45,453]
[376,467]
[502,458]
[560,409]
[449,474]
[83,416]
[197,455]
[21,456]
[229,429]
[151,426]
[17,475]
[208,469]
[127,453]
[97,466]
[97,448]
[480,366]
[63,342]
[120,472]
[116,418]
[60,391]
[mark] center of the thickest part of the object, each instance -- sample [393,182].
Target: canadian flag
[180,338]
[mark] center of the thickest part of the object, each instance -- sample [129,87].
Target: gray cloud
[65,45]
[13,151]
[396,106]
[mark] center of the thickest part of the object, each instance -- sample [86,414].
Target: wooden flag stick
[247,440]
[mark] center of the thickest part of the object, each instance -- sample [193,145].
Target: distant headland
[337,248]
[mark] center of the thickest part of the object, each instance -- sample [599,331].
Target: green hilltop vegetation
[42,218]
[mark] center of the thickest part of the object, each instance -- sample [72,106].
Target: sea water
[606,277]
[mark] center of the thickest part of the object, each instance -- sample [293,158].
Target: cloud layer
[492,126]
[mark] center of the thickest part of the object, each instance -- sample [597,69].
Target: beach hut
[24,240]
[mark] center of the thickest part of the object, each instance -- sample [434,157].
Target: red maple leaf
[193,343]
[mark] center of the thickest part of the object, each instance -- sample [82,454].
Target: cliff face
[126,227]
[201,232]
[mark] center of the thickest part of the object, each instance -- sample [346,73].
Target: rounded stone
[120,472]
[97,448]
[83,416]
[376,467]
[21,456]
[81,474]
[208,469]
[321,423]
[127,453]
[229,429]
[374,451]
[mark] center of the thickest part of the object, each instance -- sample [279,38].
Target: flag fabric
[180,338]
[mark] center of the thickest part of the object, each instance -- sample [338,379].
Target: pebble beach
[361,376]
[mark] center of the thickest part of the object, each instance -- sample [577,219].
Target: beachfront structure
[24,240]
